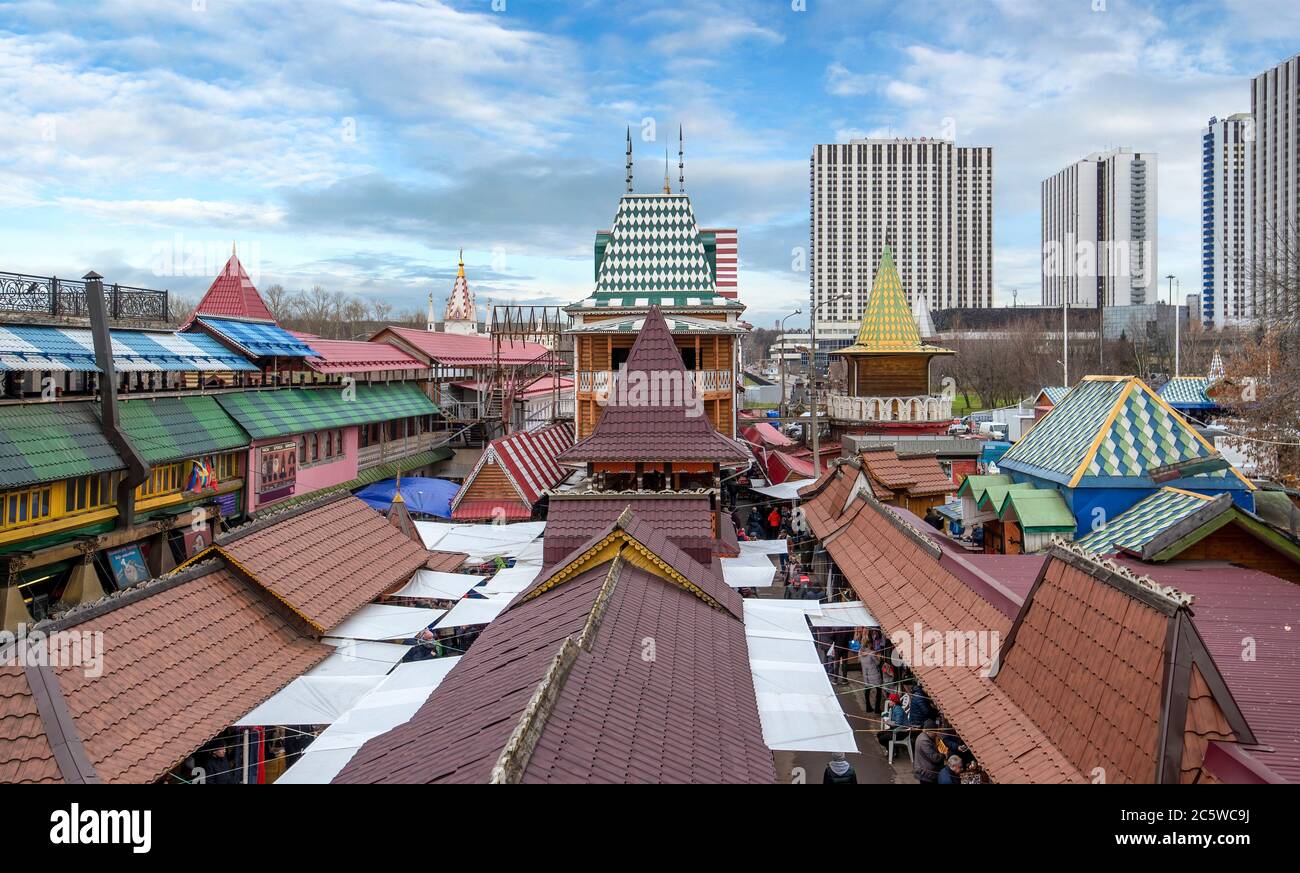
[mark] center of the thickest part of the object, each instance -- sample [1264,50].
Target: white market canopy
[381,621]
[852,614]
[764,547]
[788,490]
[390,704]
[475,610]
[359,658]
[512,580]
[311,700]
[739,574]
[481,542]
[797,705]
[436,585]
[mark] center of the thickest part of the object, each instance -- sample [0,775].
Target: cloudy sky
[358,144]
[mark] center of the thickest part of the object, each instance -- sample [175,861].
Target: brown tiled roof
[824,500]
[25,753]
[445,561]
[664,430]
[917,475]
[897,573]
[685,519]
[183,658]
[568,667]
[327,561]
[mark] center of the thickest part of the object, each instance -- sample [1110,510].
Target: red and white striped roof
[727,253]
[528,460]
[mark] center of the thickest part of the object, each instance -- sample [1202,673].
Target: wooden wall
[1233,543]
[892,375]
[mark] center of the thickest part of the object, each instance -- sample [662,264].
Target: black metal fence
[64,298]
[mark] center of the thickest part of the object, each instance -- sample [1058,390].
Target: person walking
[839,771]
[873,679]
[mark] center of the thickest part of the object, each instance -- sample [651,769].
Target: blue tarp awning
[422,495]
[259,338]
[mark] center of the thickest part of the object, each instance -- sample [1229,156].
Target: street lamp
[1172,303]
[812,372]
[782,405]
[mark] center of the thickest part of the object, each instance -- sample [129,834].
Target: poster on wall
[277,471]
[128,566]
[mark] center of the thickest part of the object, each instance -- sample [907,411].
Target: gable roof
[888,323]
[1037,511]
[257,339]
[232,295]
[573,519]
[462,350]
[343,356]
[1114,431]
[654,427]
[1052,394]
[527,458]
[1187,392]
[917,475]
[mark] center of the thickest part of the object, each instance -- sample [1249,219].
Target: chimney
[136,468]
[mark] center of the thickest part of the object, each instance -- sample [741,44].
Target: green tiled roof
[1038,510]
[170,428]
[655,246]
[975,486]
[1138,525]
[1187,391]
[43,442]
[997,492]
[1108,429]
[300,410]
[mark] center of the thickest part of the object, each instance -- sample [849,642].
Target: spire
[460,271]
[461,315]
[681,162]
[668,187]
[629,160]
[888,324]
[429,326]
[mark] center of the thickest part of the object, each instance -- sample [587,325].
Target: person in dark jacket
[919,710]
[951,773]
[927,761]
[839,771]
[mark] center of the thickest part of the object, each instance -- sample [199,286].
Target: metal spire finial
[681,162]
[668,186]
[629,160]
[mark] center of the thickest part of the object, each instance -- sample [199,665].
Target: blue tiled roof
[259,338]
[34,347]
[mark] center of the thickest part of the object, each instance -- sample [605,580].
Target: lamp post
[812,372]
[781,408]
[1178,325]
[1170,277]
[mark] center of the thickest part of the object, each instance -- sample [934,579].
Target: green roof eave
[174,428]
[287,411]
[1252,526]
[976,485]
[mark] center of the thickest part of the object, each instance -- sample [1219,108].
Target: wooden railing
[926,409]
[393,450]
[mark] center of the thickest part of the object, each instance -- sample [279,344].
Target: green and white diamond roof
[1146,519]
[1112,431]
[1187,392]
[655,257]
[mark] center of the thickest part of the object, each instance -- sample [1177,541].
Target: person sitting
[839,771]
[926,759]
[919,710]
[951,773]
[977,536]
[933,518]
[894,716]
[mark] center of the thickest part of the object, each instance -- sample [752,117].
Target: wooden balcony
[706,381]
[395,450]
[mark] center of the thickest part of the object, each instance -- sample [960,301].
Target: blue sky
[357,144]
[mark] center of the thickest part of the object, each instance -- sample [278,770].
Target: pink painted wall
[311,477]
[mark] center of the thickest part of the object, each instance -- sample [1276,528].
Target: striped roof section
[1112,428]
[258,339]
[35,347]
[528,460]
[1146,519]
[171,428]
[676,324]
[283,412]
[1187,392]
[655,246]
[42,442]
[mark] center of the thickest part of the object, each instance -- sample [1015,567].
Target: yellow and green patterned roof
[888,326]
[1113,431]
[1137,526]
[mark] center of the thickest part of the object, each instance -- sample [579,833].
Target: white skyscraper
[928,199]
[1099,231]
[1275,181]
[1226,155]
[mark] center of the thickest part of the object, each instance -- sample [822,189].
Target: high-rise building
[1099,231]
[929,200]
[1275,180]
[1226,155]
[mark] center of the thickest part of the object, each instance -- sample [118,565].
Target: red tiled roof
[764,434]
[325,562]
[490,510]
[686,520]
[917,475]
[528,459]
[25,752]
[183,659]
[1234,604]
[686,715]
[460,350]
[660,428]
[903,584]
[341,356]
[232,295]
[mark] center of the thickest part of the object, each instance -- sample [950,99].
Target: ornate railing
[705,380]
[65,298]
[927,409]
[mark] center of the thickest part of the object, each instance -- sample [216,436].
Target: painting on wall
[277,471]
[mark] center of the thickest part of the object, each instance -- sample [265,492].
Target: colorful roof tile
[35,347]
[42,442]
[1187,392]
[975,486]
[232,295]
[1037,511]
[528,461]
[1216,368]
[1114,430]
[342,356]
[888,325]
[654,247]
[646,425]
[258,339]
[283,412]
[171,428]
[460,303]
[1053,394]
[1135,527]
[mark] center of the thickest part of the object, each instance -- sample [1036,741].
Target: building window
[26,507]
